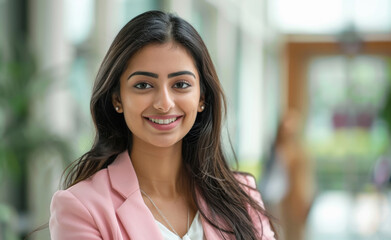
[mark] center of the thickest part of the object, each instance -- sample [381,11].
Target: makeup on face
[164,122]
[160,94]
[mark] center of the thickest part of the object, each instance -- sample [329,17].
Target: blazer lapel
[137,220]
[134,215]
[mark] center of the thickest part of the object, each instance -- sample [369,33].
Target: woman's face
[159,94]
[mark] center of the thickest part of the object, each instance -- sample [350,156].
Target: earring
[202,107]
[117,108]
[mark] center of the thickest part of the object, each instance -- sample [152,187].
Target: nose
[164,100]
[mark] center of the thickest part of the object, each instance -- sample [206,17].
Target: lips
[164,123]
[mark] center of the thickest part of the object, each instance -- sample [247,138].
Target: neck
[159,170]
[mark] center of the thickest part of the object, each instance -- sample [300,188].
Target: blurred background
[308,84]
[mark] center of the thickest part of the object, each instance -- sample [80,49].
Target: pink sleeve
[70,219]
[268,233]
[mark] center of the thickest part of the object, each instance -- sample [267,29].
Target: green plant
[21,133]
[386,111]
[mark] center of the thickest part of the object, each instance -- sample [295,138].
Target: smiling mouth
[163,121]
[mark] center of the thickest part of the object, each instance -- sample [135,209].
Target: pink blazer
[109,205]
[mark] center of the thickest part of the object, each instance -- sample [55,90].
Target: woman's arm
[70,219]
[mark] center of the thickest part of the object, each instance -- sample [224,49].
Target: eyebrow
[180,73]
[149,74]
[154,75]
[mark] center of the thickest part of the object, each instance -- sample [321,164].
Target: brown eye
[181,85]
[143,85]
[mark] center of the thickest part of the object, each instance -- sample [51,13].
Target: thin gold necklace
[185,237]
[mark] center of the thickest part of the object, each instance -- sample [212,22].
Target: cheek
[133,108]
[190,102]
[133,102]
[192,111]
[133,123]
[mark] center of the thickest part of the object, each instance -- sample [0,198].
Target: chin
[165,143]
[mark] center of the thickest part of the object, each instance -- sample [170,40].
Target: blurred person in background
[288,183]
[157,169]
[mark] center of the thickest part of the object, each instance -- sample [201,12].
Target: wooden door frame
[297,52]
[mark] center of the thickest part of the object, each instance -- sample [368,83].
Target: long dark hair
[202,150]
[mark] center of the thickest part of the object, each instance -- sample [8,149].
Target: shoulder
[90,193]
[70,218]
[79,209]
[248,183]
[82,194]
[94,184]
[245,178]
[88,196]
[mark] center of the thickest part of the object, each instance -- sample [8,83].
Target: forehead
[169,56]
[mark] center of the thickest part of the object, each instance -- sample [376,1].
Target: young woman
[156,169]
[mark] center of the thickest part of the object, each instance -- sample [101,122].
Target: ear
[201,105]
[116,100]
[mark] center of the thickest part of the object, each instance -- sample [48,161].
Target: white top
[195,231]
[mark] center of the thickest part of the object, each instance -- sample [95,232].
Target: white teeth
[163,121]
